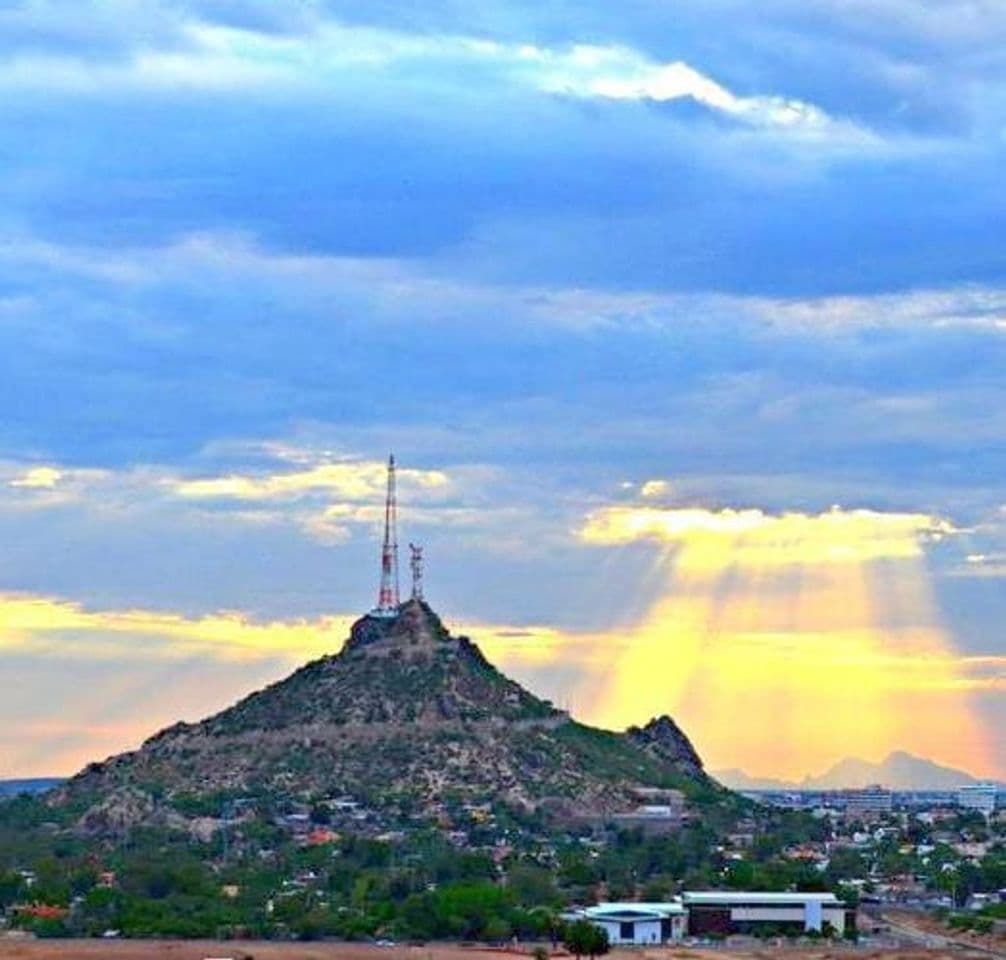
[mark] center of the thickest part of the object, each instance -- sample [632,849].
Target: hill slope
[404,710]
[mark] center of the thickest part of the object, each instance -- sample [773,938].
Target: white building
[875,799]
[978,796]
[723,912]
[636,923]
[715,913]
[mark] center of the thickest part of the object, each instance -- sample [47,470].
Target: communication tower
[416,565]
[387,597]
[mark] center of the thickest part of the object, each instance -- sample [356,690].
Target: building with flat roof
[874,799]
[717,913]
[636,923]
[982,797]
[724,912]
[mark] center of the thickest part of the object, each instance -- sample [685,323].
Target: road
[903,926]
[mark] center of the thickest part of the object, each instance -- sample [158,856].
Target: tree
[583,937]
[531,885]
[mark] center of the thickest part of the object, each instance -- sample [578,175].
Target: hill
[405,714]
[13,788]
[898,771]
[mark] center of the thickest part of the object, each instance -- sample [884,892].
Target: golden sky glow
[753,538]
[781,643]
[43,624]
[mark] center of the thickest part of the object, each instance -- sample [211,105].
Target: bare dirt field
[249,950]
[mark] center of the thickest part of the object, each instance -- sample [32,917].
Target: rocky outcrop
[664,739]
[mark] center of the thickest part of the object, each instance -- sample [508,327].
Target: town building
[982,797]
[724,912]
[875,799]
[636,923]
[718,913]
[652,818]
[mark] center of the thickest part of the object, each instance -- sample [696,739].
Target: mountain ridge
[899,770]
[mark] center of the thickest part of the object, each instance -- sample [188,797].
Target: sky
[685,321]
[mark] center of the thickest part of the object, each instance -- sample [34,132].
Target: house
[320,836]
[40,911]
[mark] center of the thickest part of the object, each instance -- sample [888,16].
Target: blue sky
[750,256]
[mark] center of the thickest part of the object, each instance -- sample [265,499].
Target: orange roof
[43,911]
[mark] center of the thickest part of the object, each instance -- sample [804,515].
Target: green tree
[584,938]
[531,885]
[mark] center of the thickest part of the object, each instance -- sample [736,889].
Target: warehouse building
[718,913]
[723,912]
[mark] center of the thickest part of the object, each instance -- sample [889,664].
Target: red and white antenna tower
[416,565]
[387,598]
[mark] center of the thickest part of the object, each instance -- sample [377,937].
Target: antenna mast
[387,598]
[416,565]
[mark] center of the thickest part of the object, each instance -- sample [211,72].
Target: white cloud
[354,480]
[654,489]
[619,73]
[982,308]
[333,55]
[757,538]
[38,487]
[385,284]
[38,478]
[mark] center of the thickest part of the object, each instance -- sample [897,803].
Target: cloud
[756,249]
[50,626]
[352,480]
[982,566]
[41,487]
[654,489]
[218,57]
[754,537]
[38,478]
[615,73]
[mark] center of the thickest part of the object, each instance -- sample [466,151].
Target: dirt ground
[248,950]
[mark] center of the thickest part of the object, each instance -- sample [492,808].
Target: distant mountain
[11,788]
[406,711]
[898,771]
[737,779]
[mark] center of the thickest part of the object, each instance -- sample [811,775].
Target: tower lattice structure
[416,565]
[387,597]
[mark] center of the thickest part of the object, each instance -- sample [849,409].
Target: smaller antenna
[416,565]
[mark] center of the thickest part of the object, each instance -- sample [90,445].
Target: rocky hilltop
[404,711]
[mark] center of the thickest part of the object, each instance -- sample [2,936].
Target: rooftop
[744,896]
[637,911]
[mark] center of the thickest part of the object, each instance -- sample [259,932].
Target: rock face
[405,710]
[664,739]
